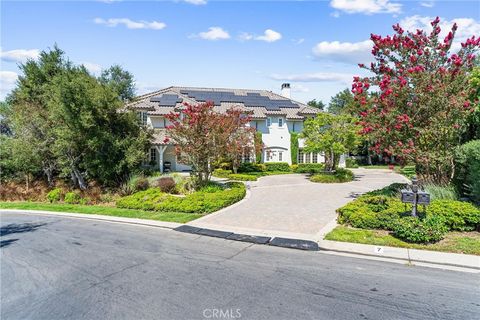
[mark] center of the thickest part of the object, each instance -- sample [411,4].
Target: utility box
[408,196]
[423,198]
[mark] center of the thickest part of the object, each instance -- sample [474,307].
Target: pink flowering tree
[415,105]
[203,137]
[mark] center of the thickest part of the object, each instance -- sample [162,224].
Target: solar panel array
[252,99]
[169,100]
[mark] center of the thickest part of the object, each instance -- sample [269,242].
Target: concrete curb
[135,221]
[410,255]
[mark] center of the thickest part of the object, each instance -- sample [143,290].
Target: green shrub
[141,184]
[371,212]
[392,190]
[344,175]
[204,202]
[72,198]
[143,200]
[339,176]
[54,195]
[277,166]
[418,230]
[310,168]
[458,215]
[209,198]
[467,170]
[242,177]
[251,167]
[351,163]
[441,192]
[294,167]
[221,173]
[258,141]
[225,166]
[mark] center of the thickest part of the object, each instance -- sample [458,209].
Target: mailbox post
[415,197]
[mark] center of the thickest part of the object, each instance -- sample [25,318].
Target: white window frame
[280,156]
[308,157]
[301,156]
[153,155]
[269,121]
[314,157]
[280,122]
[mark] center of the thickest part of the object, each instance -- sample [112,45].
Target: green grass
[456,242]
[103,210]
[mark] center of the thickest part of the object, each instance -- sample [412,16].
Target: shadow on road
[8,242]
[19,228]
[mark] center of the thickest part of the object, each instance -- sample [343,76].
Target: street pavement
[292,206]
[64,268]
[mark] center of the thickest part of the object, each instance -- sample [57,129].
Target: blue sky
[314,45]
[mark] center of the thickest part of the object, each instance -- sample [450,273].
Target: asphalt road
[66,268]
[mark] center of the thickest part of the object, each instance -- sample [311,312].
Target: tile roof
[275,103]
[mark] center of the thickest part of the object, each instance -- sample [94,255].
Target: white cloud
[269,36]
[92,67]
[299,41]
[428,4]
[467,27]
[130,24]
[7,82]
[196,2]
[214,33]
[366,6]
[353,52]
[315,77]
[19,55]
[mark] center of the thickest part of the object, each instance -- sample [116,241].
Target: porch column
[161,150]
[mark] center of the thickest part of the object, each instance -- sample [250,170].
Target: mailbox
[408,196]
[423,198]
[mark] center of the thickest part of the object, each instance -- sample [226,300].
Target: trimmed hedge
[467,170]
[382,209]
[242,177]
[310,168]
[251,167]
[294,147]
[208,199]
[221,173]
[277,166]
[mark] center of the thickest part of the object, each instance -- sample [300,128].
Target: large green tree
[332,134]
[341,102]
[75,124]
[316,104]
[121,82]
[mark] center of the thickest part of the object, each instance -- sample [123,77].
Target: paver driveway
[291,205]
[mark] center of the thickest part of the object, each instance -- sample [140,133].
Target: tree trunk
[80,182]
[369,156]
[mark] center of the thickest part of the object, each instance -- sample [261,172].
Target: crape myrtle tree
[203,136]
[71,125]
[332,134]
[420,110]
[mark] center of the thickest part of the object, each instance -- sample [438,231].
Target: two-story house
[276,116]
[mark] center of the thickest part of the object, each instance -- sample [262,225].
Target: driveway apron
[291,205]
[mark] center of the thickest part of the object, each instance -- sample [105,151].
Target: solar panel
[252,99]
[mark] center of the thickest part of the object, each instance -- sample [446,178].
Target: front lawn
[179,217]
[457,242]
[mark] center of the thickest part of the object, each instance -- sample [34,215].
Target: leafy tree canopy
[121,82]
[341,102]
[316,104]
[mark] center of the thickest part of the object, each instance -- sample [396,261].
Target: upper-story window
[280,122]
[269,122]
[142,116]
